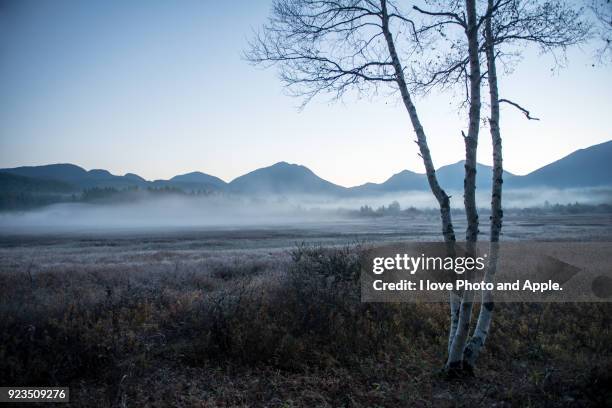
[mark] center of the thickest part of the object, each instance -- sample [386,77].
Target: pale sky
[159,88]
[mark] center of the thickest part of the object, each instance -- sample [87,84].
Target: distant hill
[451,176]
[283,178]
[193,181]
[134,177]
[61,172]
[589,167]
[75,175]
[12,183]
[402,181]
[20,192]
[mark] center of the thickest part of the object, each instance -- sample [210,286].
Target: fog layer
[233,212]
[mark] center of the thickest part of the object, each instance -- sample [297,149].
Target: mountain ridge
[283,178]
[588,167]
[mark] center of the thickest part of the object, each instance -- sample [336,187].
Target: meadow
[273,317]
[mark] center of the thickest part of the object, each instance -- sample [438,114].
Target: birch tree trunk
[455,356]
[476,343]
[441,196]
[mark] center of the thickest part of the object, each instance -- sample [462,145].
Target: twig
[519,107]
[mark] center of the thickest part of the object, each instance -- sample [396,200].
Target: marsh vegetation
[271,317]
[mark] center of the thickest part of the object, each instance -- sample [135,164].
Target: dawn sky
[159,88]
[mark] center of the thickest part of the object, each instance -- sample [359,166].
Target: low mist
[219,211]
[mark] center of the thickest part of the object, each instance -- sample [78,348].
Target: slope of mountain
[20,192]
[283,178]
[589,167]
[134,177]
[12,183]
[194,181]
[69,173]
[197,180]
[451,176]
[405,180]
[63,172]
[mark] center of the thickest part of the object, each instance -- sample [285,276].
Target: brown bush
[297,313]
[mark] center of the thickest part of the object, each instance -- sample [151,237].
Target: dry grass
[167,328]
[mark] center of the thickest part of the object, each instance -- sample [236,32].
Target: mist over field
[219,211]
[158,212]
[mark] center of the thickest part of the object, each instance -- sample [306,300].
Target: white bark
[476,343]
[441,196]
[455,306]
[455,356]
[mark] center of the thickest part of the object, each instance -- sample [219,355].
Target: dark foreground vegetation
[278,329]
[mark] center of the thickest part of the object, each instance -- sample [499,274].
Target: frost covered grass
[158,324]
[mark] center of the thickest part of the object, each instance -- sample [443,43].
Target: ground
[272,317]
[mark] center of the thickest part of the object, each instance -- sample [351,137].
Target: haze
[227,211]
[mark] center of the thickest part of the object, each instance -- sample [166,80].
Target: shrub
[312,315]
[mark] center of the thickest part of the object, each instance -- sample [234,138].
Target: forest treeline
[40,195]
[394,209]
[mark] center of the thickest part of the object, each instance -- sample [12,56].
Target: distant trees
[99,193]
[366,210]
[19,201]
[393,209]
[22,193]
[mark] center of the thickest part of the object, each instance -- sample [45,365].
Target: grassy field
[253,318]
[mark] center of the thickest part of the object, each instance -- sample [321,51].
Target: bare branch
[456,17]
[602,13]
[330,46]
[519,107]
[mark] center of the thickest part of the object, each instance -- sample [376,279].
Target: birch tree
[508,26]
[473,348]
[463,15]
[360,46]
[335,47]
[552,27]
[458,60]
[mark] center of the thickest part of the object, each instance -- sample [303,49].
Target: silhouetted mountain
[199,178]
[69,173]
[589,167]
[20,192]
[99,174]
[451,176]
[12,183]
[62,172]
[134,177]
[195,181]
[405,180]
[283,178]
